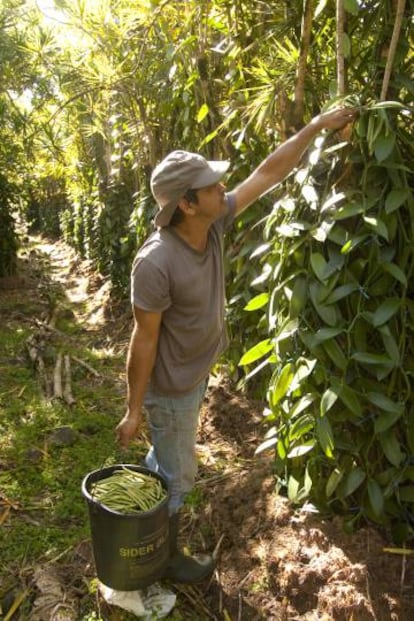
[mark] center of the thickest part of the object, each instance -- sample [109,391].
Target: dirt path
[275,563]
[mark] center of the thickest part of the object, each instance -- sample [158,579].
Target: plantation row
[320,305]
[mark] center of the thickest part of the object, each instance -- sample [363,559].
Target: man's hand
[128,428]
[335,119]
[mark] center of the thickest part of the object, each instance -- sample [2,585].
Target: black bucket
[131,550]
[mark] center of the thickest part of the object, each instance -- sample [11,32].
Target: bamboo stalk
[399,15]
[306,31]
[340,56]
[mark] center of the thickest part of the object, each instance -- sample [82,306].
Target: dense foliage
[338,263]
[98,92]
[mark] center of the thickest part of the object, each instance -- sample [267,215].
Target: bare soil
[278,563]
[275,562]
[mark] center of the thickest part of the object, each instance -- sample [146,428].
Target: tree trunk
[340,56]
[399,15]
[306,31]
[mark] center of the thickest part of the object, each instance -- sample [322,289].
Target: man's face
[211,203]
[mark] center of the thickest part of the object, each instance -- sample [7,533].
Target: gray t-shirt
[187,287]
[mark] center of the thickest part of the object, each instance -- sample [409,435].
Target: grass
[43,515]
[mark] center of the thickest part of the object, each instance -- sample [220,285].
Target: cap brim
[212,174]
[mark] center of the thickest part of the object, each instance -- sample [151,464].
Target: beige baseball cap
[179,172]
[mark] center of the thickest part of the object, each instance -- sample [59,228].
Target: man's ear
[186,206]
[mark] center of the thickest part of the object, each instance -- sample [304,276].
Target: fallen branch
[35,344]
[193,595]
[50,328]
[67,393]
[57,378]
[217,548]
[16,604]
[4,515]
[44,380]
[216,478]
[32,349]
[87,366]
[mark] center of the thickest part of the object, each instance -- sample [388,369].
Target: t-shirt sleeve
[225,222]
[149,287]
[231,209]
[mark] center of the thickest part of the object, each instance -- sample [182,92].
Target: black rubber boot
[183,568]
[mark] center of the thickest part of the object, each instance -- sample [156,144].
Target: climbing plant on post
[337,290]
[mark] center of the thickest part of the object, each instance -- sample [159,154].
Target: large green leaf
[341,292]
[386,421]
[318,264]
[325,436]
[321,232]
[396,272]
[256,352]
[374,359]
[264,276]
[351,6]
[329,314]
[384,146]
[385,311]
[332,200]
[378,226]
[353,479]
[309,193]
[334,265]
[282,384]
[388,104]
[349,210]
[304,368]
[336,354]
[323,334]
[333,481]
[286,330]
[298,297]
[287,230]
[202,113]
[391,447]
[349,398]
[376,497]
[293,488]
[385,403]
[390,344]
[328,399]
[259,250]
[301,427]
[266,444]
[353,243]
[257,302]
[395,198]
[299,451]
[301,405]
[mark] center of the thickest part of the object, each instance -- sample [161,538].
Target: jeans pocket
[159,419]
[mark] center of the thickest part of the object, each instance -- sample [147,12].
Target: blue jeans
[173,423]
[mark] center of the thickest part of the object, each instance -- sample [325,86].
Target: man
[178,301]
